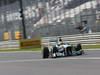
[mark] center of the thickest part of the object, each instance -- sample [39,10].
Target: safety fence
[12,44]
[85,39]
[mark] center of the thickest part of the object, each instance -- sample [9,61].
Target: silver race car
[62,49]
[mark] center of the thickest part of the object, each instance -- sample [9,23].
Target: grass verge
[8,50]
[91,46]
[39,49]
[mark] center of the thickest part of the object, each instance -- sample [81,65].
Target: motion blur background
[44,18]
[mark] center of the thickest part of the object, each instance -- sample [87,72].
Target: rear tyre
[78,47]
[45,52]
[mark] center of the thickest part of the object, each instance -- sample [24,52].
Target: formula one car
[62,50]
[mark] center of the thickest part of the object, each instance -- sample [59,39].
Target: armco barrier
[93,38]
[78,38]
[16,44]
[11,44]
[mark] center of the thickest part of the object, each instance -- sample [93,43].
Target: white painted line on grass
[22,52]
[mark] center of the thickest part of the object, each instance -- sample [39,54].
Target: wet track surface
[31,63]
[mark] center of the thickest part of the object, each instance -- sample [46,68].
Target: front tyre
[45,52]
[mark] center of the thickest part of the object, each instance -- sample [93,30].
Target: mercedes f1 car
[62,50]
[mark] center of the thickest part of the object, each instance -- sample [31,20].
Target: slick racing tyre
[45,52]
[78,47]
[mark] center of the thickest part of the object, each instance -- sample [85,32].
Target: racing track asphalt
[31,63]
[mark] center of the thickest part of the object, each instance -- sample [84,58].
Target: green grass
[91,46]
[8,50]
[39,49]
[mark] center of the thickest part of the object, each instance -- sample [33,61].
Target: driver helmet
[60,40]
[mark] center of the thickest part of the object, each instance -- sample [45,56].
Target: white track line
[36,60]
[97,49]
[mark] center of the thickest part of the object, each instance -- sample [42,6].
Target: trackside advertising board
[6,36]
[34,43]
